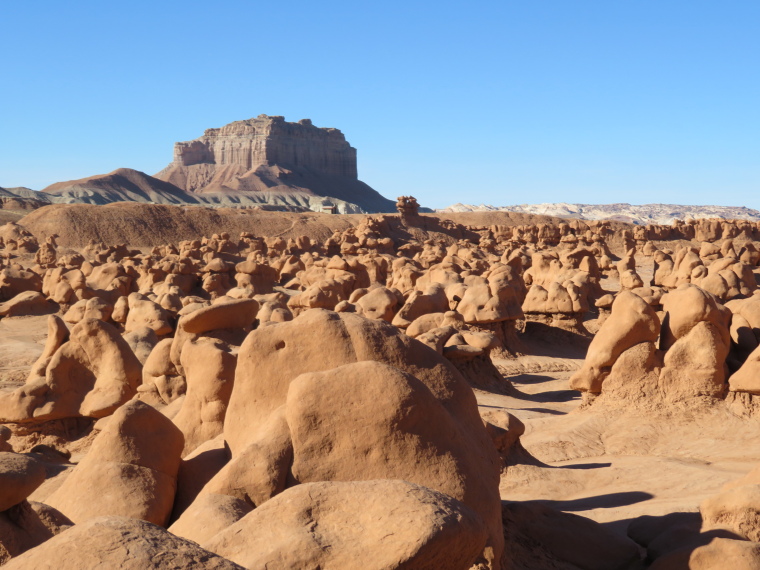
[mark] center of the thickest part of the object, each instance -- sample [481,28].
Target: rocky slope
[637,214]
[148,225]
[122,185]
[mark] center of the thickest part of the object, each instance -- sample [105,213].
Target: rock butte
[261,162]
[390,391]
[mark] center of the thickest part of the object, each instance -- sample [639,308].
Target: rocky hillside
[636,214]
[122,185]
[147,225]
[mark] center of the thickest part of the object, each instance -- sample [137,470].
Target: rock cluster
[249,400]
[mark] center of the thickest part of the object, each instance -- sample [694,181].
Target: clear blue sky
[503,102]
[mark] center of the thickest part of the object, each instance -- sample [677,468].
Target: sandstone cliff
[294,162]
[265,141]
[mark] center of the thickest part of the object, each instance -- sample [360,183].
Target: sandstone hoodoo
[191,387]
[280,162]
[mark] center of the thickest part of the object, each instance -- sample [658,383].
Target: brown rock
[145,313]
[131,468]
[632,322]
[210,372]
[118,542]
[26,303]
[20,475]
[273,357]
[736,509]
[90,375]
[429,529]
[260,471]
[208,515]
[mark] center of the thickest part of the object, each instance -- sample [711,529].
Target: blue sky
[478,102]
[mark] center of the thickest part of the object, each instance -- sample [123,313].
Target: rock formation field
[188,387]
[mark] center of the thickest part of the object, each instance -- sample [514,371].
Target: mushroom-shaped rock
[378,303]
[230,314]
[368,524]
[696,335]
[118,542]
[145,313]
[130,470]
[631,322]
[90,375]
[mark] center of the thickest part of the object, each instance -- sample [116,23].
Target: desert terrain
[187,387]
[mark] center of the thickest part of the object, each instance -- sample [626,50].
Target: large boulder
[118,542]
[130,470]
[368,524]
[145,313]
[696,336]
[390,384]
[20,475]
[224,314]
[26,303]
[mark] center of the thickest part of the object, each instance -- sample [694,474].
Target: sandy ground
[614,465]
[21,342]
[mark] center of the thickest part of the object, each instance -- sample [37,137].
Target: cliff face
[268,155]
[266,141]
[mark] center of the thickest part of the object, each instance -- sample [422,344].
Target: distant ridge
[121,185]
[663,214]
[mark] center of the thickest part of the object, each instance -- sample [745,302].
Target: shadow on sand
[608,501]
